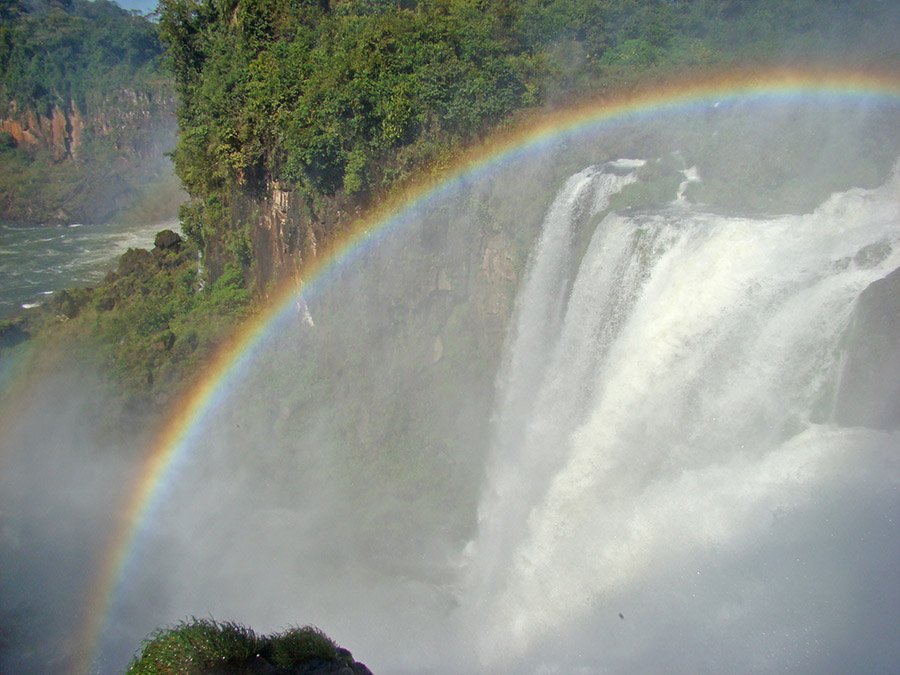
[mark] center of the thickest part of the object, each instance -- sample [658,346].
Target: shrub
[195,646]
[298,645]
[209,646]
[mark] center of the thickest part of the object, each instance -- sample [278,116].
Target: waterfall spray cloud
[186,426]
[705,434]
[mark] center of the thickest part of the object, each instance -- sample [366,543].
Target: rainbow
[528,136]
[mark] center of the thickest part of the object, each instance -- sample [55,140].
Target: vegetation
[54,52]
[151,322]
[87,111]
[205,645]
[351,97]
[342,101]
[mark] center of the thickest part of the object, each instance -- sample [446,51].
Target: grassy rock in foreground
[208,646]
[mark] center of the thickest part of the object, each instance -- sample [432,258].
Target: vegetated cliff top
[340,102]
[59,52]
[86,112]
[343,100]
[353,95]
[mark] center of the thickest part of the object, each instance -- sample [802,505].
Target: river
[38,260]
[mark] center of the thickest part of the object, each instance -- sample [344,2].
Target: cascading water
[539,316]
[685,468]
[664,475]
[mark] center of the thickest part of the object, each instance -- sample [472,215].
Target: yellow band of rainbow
[181,426]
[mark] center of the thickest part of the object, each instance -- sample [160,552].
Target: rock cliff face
[450,263]
[138,124]
[59,131]
[284,232]
[414,320]
[869,387]
[89,163]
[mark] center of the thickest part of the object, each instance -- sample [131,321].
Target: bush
[206,645]
[196,646]
[299,645]
[7,141]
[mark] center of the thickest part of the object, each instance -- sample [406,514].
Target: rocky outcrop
[13,332]
[869,385]
[140,124]
[90,161]
[167,239]
[454,264]
[60,130]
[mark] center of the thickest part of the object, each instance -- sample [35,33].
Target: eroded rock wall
[60,130]
[869,386]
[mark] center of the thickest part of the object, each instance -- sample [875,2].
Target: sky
[143,5]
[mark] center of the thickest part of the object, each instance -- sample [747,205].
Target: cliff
[67,165]
[86,116]
[869,385]
[58,132]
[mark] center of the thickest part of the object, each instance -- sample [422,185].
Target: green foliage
[195,647]
[206,645]
[325,99]
[632,54]
[347,97]
[156,321]
[228,295]
[201,220]
[298,645]
[55,53]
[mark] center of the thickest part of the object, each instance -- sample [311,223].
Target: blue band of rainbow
[182,426]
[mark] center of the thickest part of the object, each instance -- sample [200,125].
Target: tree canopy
[56,51]
[348,95]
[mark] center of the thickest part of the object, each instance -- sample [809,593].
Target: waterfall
[663,414]
[538,319]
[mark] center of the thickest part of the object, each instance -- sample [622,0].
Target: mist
[585,412]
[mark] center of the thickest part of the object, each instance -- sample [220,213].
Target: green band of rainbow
[183,424]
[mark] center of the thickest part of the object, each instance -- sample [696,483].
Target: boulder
[167,239]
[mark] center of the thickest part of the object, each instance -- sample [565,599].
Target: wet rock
[869,385]
[12,333]
[167,239]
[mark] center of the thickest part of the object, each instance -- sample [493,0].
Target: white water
[662,451]
[665,490]
[539,317]
[37,260]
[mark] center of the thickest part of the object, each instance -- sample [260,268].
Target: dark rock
[106,301]
[65,305]
[260,665]
[167,340]
[167,239]
[869,385]
[12,333]
[135,262]
[872,255]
